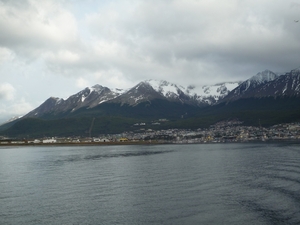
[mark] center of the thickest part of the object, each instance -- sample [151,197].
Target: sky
[59,47]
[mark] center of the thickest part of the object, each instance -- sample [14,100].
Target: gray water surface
[159,184]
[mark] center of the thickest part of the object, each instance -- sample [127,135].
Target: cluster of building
[225,131]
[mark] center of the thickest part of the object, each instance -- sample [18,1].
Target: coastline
[290,141]
[85,143]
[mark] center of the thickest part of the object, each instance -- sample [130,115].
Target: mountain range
[146,91]
[152,100]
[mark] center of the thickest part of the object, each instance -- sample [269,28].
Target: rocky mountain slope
[265,99]
[268,84]
[145,91]
[263,84]
[249,87]
[87,98]
[284,85]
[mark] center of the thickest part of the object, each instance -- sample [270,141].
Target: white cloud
[149,39]
[34,27]
[112,79]
[82,83]
[46,45]
[18,108]
[7,92]
[166,37]
[62,57]
[6,55]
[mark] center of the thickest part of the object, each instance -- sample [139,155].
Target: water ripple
[168,184]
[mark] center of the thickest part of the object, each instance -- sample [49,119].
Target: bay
[155,184]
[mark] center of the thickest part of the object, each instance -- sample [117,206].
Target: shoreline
[296,141]
[84,143]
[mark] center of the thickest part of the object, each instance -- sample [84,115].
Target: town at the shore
[222,132]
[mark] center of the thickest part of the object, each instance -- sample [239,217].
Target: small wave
[274,216]
[76,158]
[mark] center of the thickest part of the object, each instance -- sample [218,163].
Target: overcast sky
[57,48]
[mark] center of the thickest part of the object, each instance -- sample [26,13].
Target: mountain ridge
[153,99]
[145,91]
[248,87]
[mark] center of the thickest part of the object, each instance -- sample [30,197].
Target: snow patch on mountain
[165,88]
[211,94]
[214,90]
[201,94]
[12,119]
[117,90]
[267,84]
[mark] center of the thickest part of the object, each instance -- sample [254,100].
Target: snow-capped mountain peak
[295,72]
[264,76]
[165,88]
[250,84]
[98,88]
[260,78]
[87,98]
[268,84]
[198,95]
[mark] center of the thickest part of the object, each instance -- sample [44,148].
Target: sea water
[153,184]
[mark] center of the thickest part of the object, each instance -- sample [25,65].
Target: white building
[52,140]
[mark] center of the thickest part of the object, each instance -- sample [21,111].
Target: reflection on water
[160,184]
